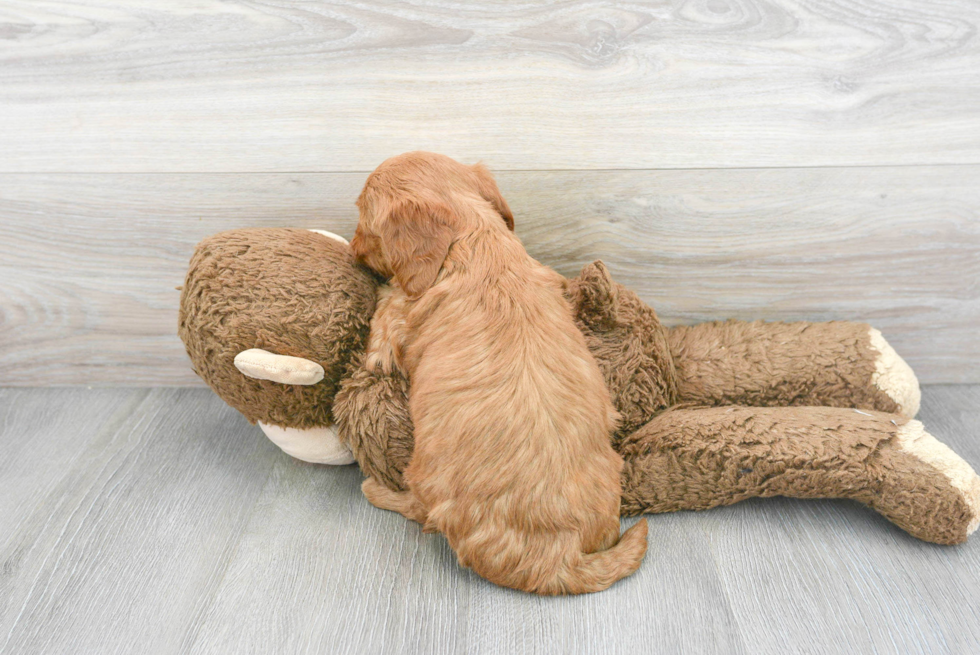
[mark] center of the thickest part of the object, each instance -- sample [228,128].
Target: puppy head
[413,207]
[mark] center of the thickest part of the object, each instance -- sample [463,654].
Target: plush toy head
[290,292]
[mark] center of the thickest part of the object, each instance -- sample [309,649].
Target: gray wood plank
[832,576]
[652,611]
[321,570]
[44,434]
[88,263]
[34,430]
[125,550]
[92,85]
[174,527]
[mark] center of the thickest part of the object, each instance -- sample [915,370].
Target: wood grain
[88,263]
[40,445]
[289,85]
[160,518]
[126,548]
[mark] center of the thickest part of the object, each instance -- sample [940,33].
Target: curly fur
[512,458]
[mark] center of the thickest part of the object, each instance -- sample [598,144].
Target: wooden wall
[780,160]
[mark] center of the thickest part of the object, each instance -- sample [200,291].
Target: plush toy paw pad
[895,377]
[913,439]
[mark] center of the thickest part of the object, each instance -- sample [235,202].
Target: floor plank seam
[626,169]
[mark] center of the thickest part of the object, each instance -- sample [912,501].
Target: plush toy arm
[371,410]
[693,459]
[835,364]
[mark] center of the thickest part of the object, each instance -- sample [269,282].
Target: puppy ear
[417,237]
[489,191]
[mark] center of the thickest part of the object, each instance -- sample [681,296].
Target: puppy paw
[375,492]
[402,502]
[384,498]
[380,362]
[894,377]
[382,356]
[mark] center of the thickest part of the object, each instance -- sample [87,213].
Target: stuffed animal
[275,321]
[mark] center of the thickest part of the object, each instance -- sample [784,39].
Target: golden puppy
[512,418]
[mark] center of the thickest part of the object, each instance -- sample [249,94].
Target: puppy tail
[597,571]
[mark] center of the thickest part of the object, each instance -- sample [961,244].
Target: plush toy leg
[691,459]
[836,364]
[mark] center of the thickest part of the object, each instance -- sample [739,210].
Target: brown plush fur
[371,410]
[702,458]
[777,365]
[225,308]
[512,458]
[627,340]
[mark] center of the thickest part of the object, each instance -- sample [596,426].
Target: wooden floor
[159,521]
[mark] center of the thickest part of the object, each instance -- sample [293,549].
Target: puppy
[512,459]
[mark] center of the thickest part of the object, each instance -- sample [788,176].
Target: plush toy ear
[417,236]
[595,294]
[490,192]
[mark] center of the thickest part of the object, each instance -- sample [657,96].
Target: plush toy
[275,321]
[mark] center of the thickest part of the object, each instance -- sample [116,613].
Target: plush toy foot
[315,445]
[894,377]
[703,458]
[927,489]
